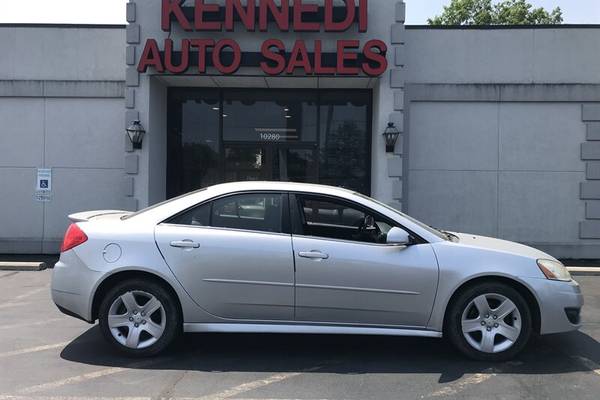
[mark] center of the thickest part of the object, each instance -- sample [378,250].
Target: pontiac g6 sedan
[298,258]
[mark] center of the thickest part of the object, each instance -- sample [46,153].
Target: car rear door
[349,275]
[233,255]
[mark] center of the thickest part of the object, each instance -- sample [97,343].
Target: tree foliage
[506,12]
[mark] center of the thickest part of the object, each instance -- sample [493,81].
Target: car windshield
[159,204]
[439,233]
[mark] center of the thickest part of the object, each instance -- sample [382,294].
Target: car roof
[279,186]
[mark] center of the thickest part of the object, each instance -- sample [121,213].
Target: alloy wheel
[491,323]
[137,319]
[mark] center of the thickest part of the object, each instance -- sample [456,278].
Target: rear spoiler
[87,215]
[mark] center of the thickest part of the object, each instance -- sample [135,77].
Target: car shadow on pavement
[339,354]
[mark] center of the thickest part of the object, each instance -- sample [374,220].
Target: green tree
[484,12]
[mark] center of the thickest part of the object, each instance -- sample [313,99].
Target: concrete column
[397,80]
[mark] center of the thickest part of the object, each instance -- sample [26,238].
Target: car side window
[256,212]
[329,218]
[197,216]
[251,211]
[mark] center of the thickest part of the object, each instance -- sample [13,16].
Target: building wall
[497,133]
[61,107]
[491,56]
[501,127]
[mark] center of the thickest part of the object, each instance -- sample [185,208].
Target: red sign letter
[237,56]
[173,7]
[376,58]
[199,23]
[247,15]
[202,45]
[151,57]
[299,58]
[331,25]
[185,56]
[300,9]
[342,56]
[363,16]
[319,68]
[281,16]
[273,56]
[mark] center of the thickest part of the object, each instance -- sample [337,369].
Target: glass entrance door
[226,135]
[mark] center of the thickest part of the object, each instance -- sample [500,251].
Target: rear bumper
[72,286]
[557,300]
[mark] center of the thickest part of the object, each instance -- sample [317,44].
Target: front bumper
[72,286]
[558,302]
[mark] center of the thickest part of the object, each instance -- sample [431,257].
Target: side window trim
[295,214]
[286,222]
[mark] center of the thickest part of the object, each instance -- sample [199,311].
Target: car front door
[346,273]
[233,257]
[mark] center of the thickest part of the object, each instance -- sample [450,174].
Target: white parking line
[462,384]
[86,377]
[226,394]
[14,304]
[16,300]
[30,293]
[10,397]
[6,275]
[593,367]
[246,387]
[24,325]
[26,393]
[33,349]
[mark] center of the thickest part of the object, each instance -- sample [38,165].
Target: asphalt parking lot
[45,356]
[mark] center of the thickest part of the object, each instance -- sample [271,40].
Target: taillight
[74,237]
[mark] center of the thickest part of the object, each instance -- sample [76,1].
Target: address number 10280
[271,137]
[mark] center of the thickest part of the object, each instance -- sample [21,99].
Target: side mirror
[399,237]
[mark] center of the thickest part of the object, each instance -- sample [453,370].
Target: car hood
[500,245]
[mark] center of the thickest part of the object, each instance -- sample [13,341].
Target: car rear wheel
[489,322]
[139,317]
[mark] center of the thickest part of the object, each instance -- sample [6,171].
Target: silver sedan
[297,258]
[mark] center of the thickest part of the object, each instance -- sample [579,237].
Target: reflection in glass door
[295,165]
[270,162]
[245,163]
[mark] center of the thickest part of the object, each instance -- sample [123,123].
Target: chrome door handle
[185,244]
[313,255]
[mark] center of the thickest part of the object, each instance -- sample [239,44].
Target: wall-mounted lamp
[391,137]
[136,134]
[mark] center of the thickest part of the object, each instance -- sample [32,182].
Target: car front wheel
[489,322]
[139,317]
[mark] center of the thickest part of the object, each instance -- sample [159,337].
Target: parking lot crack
[167,392]
[246,387]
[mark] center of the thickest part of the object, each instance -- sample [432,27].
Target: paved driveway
[45,356]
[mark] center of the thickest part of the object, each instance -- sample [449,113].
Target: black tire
[173,320]
[453,326]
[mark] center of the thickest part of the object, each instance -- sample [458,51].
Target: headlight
[554,270]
